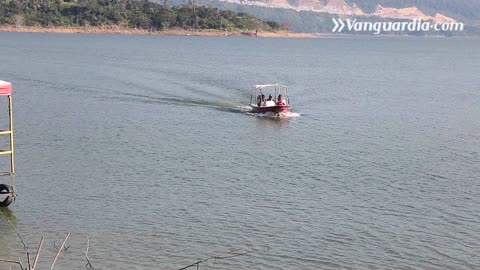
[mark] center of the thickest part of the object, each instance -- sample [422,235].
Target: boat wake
[282,115]
[217,105]
[225,106]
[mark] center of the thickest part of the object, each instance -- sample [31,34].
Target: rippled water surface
[143,144]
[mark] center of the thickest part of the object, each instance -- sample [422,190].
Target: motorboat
[277,101]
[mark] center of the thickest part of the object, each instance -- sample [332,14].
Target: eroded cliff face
[341,7]
[409,13]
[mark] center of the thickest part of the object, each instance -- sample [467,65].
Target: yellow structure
[8,191]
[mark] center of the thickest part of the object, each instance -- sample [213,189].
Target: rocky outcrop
[409,13]
[442,18]
[341,7]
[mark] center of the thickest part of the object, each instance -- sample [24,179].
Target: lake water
[143,145]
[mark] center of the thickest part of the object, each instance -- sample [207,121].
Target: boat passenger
[281,100]
[260,100]
[270,101]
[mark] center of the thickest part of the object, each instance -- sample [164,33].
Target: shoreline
[170,32]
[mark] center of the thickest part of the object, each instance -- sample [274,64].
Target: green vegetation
[125,13]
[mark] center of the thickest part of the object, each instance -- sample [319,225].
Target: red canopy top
[5,88]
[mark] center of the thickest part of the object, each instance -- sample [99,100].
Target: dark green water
[143,144]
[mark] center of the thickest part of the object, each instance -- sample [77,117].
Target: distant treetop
[125,13]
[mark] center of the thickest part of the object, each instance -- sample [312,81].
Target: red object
[5,88]
[272,109]
[269,106]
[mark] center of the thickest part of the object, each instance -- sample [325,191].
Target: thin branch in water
[234,255]
[8,261]
[56,248]
[86,254]
[38,253]
[60,250]
[21,264]
[28,261]
[230,254]
[194,264]
[227,255]
[19,236]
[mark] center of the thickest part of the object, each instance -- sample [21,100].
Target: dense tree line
[127,13]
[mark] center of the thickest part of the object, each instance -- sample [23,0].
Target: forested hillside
[126,13]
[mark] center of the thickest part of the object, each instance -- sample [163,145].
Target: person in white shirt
[270,101]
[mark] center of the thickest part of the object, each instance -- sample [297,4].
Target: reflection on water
[5,212]
[8,236]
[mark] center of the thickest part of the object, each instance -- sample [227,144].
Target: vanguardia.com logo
[415,25]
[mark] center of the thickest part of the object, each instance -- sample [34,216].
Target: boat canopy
[260,86]
[5,88]
[275,89]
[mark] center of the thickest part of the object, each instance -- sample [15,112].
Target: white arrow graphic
[335,26]
[338,25]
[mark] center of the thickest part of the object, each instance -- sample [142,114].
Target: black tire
[9,199]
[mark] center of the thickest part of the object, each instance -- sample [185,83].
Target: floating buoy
[10,195]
